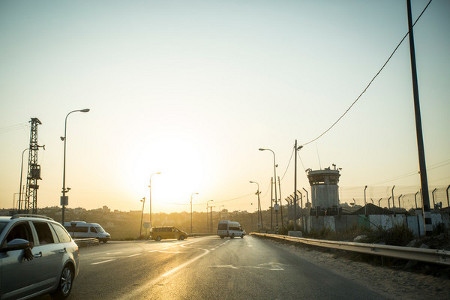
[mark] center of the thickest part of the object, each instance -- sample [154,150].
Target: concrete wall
[346,222]
[324,195]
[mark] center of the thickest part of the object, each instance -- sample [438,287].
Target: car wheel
[182,237]
[158,238]
[221,236]
[65,283]
[232,236]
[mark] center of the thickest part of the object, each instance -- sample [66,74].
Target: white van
[81,229]
[232,229]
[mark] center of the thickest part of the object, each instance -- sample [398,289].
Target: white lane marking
[133,255]
[145,288]
[220,245]
[165,251]
[170,272]
[225,266]
[102,262]
[267,266]
[115,258]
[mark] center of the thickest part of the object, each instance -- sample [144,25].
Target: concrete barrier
[87,242]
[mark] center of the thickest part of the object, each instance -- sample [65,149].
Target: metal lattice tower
[34,170]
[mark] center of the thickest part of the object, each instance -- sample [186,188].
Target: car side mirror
[17,244]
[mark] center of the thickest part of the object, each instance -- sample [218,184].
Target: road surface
[211,268]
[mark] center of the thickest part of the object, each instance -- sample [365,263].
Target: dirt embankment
[395,279]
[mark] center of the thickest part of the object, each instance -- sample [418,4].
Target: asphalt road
[207,268]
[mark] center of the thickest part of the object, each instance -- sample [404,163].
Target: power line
[232,199]
[289,163]
[370,82]
[412,173]
[14,127]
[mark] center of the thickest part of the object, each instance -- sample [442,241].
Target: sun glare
[182,172]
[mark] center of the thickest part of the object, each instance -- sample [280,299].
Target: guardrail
[426,255]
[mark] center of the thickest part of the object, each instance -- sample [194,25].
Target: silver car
[37,256]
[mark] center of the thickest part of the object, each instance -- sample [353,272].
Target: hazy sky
[193,88]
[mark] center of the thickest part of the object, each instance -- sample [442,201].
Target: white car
[82,230]
[232,229]
[37,256]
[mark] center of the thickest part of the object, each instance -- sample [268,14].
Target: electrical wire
[348,109]
[370,82]
[14,127]
[289,163]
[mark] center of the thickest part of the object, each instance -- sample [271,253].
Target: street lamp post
[142,217]
[209,227]
[275,183]
[191,208]
[260,223]
[211,219]
[295,185]
[150,199]
[64,198]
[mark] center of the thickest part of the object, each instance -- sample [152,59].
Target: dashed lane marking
[102,262]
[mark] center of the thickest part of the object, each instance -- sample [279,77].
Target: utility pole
[419,134]
[212,229]
[260,225]
[208,227]
[271,203]
[281,204]
[295,185]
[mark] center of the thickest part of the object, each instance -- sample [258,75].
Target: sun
[181,167]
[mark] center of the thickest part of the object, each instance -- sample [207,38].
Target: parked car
[37,256]
[167,232]
[81,229]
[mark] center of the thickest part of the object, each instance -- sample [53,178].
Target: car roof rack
[16,216]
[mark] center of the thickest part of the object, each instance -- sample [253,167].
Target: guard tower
[324,190]
[34,171]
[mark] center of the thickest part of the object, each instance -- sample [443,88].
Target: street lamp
[275,181]
[295,185]
[191,208]
[64,198]
[142,217]
[207,206]
[259,206]
[150,199]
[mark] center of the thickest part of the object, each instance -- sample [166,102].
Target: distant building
[324,190]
